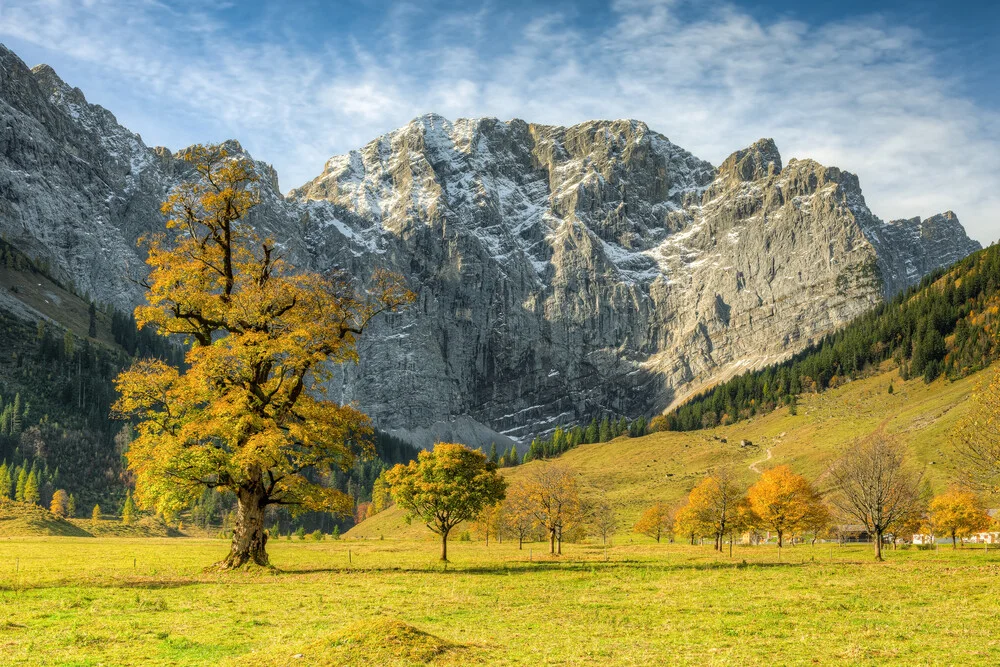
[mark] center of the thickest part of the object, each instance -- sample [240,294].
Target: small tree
[712,504]
[445,487]
[553,498]
[517,514]
[873,486]
[603,518]
[488,520]
[782,500]
[128,510]
[5,481]
[71,505]
[95,515]
[31,493]
[655,521]
[958,513]
[60,503]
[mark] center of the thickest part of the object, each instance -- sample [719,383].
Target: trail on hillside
[753,466]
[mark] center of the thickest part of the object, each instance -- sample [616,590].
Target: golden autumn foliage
[551,495]
[958,513]
[60,503]
[445,487]
[248,413]
[712,508]
[655,521]
[785,502]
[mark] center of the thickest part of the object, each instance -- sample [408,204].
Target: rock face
[560,272]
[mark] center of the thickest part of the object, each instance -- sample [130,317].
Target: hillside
[26,519]
[635,472]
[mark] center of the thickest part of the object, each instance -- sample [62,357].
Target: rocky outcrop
[560,272]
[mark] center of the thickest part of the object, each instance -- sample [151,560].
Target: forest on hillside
[947,325]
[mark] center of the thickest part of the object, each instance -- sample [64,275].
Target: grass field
[89,601]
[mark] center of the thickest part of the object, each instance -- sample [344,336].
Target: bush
[335,534]
[317,536]
[300,533]
[464,536]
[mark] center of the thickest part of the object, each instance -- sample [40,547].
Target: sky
[905,94]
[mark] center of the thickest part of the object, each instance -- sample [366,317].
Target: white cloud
[860,94]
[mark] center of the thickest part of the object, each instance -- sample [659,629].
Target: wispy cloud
[860,94]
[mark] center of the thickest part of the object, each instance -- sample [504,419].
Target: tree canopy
[248,413]
[445,487]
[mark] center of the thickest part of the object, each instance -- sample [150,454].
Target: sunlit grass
[149,601]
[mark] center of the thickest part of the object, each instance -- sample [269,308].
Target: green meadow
[151,601]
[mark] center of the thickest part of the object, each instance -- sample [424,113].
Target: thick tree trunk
[552,541]
[878,546]
[559,542]
[954,541]
[249,538]
[779,538]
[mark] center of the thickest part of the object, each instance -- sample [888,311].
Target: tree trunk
[878,546]
[779,538]
[559,542]
[520,542]
[249,538]
[954,542]
[552,541]
[444,544]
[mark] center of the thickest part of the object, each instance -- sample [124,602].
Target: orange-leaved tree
[958,513]
[445,487]
[247,414]
[655,521]
[783,501]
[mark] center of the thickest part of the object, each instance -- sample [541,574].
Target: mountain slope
[636,472]
[561,272]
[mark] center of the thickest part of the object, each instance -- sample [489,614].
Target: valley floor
[87,601]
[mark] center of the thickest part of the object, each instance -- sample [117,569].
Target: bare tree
[874,487]
[603,517]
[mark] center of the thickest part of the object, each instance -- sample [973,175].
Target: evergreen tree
[604,434]
[128,510]
[31,494]
[22,481]
[591,433]
[5,480]
[512,456]
[92,328]
[71,506]
[16,414]
[494,459]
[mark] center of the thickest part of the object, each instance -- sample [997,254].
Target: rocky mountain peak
[759,160]
[562,272]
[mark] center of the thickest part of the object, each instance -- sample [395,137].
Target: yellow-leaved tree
[247,414]
[958,513]
[784,501]
[655,521]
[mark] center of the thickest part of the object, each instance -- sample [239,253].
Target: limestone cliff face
[560,272]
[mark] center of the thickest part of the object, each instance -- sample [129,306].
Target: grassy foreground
[88,601]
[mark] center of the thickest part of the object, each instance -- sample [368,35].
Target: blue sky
[906,94]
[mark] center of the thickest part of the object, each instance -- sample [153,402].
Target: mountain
[561,272]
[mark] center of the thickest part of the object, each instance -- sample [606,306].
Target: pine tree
[128,511]
[494,458]
[22,481]
[590,435]
[92,329]
[5,480]
[512,457]
[15,417]
[95,515]
[604,434]
[31,494]
[71,506]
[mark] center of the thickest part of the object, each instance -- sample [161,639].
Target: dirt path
[753,466]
